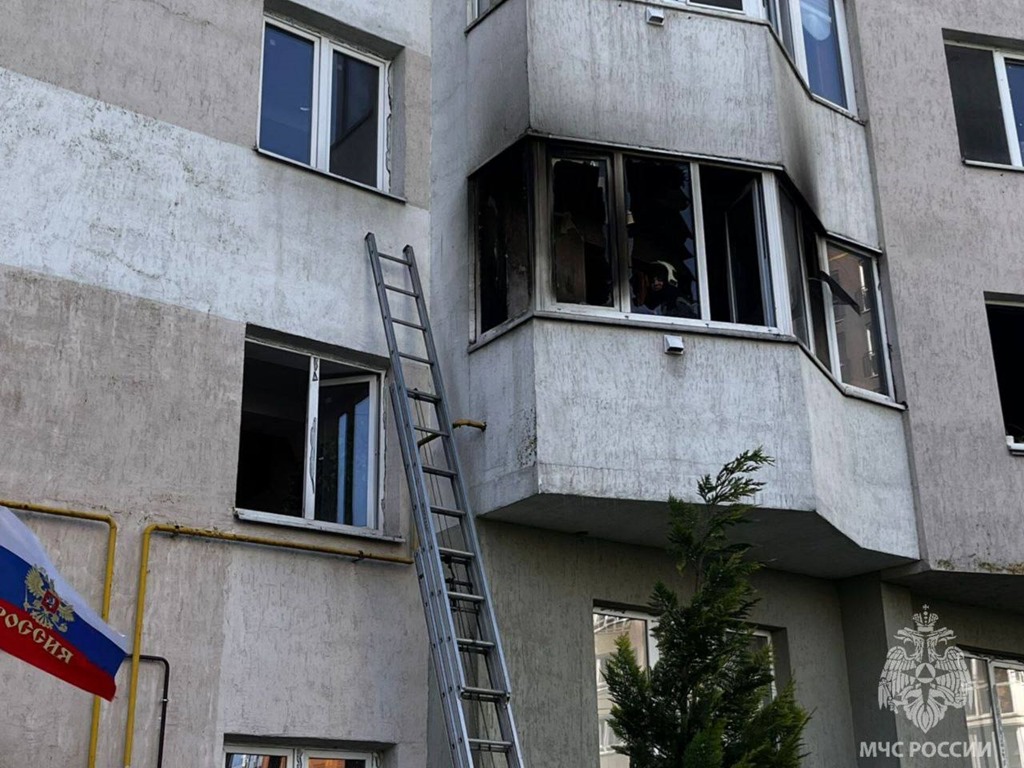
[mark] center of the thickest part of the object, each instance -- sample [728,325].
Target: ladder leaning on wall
[464,640]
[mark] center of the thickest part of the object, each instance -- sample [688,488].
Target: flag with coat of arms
[45,622]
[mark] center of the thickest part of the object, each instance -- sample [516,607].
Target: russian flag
[47,623]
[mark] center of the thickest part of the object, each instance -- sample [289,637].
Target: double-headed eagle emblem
[921,678]
[44,604]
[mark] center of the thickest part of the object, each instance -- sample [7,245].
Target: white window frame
[1015,447]
[767,214]
[991,663]
[320,118]
[375,475]
[830,320]
[298,757]
[799,52]
[1003,81]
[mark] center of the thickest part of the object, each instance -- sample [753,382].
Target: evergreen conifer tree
[705,703]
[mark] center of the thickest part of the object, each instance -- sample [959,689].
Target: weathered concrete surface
[952,232]
[106,197]
[701,84]
[619,422]
[545,588]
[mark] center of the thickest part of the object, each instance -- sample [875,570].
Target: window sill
[331,176]
[992,166]
[269,518]
[1016,449]
[848,390]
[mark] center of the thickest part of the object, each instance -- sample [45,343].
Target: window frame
[375,449]
[991,663]
[1013,140]
[545,299]
[1016,448]
[298,757]
[772,13]
[324,48]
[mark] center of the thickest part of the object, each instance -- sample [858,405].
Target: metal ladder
[464,640]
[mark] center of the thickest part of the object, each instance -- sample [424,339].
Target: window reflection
[858,337]
[608,628]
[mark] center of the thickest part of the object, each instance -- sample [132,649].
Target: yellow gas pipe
[178,530]
[108,581]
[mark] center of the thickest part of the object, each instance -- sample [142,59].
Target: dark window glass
[343,450]
[855,306]
[660,235]
[275,384]
[821,43]
[1015,76]
[1006,326]
[737,257]
[286,113]
[503,238]
[355,90]
[979,114]
[580,231]
[730,5]
[794,266]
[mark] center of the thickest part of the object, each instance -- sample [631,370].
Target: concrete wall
[952,232]
[701,84]
[132,407]
[618,419]
[545,589]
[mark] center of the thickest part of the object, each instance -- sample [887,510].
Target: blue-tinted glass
[286,114]
[343,453]
[821,42]
[1015,74]
[354,97]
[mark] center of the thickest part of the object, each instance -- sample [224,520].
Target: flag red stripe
[23,637]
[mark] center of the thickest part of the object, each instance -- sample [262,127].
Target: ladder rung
[455,554]
[447,511]
[400,289]
[408,324]
[395,259]
[427,397]
[488,745]
[438,471]
[465,597]
[416,358]
[484,694]
[474,646]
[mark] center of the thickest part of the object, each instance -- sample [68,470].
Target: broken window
[583,269]
[503,238]
[1006,327]
[309,432]
[739,277]
[661,238]
[855,307]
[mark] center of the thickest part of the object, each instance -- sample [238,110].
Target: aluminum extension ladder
[464,640]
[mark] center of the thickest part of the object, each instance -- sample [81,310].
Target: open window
[1006,328]
[308,448]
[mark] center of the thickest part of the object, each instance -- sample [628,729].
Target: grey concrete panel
[702,84]
[496,81]
[952,232]
[147,208]
[116,403]
[189,62]
[545,588]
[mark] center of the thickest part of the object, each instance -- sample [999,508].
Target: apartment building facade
[654,235]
